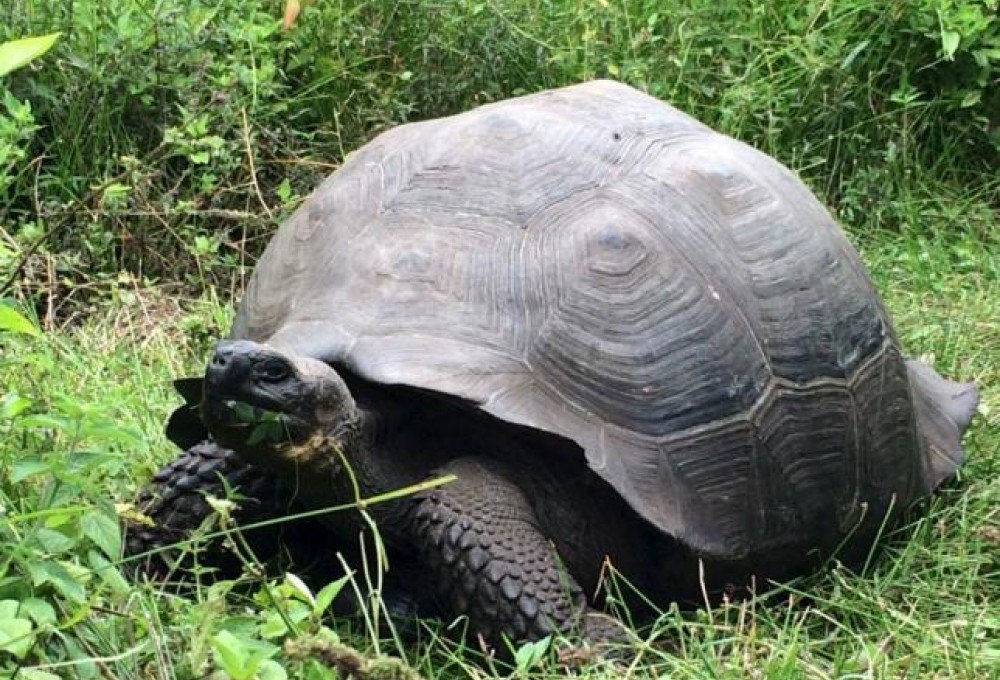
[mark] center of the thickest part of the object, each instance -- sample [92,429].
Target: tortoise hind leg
[479,540]
[176,503]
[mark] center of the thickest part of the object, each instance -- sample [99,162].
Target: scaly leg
[480,541]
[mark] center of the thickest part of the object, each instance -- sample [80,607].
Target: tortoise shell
[593,263]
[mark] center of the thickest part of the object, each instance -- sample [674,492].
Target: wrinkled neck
[367,466]
[314,468]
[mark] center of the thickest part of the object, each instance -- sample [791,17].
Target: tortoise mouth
[254,422]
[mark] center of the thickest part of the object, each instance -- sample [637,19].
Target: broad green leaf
[28,467]
[105,431]
[17,53]
[45,421]
[58,517]
[83,667]
[13,321]
[13,405]
[103,531]
[68,406]
[9,609]
[86,461]
[271,670]
[285,191]
[266,431]
[59,577]
[16,636]
[949,43]
[234,656]
[52,541]
[298,611]
[109,573]
[240,626]
[244,412]
[972,98]
[329,593]
[230,654]
[529,654]
[36,674]
[274,626]
[314,670]
[39,611]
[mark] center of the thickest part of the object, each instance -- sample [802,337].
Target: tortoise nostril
[221,359]
[222,356]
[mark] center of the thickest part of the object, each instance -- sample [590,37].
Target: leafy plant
[12,321]
[17,124]
[17,53]
[530,654]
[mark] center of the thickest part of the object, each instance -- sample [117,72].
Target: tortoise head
[271,405]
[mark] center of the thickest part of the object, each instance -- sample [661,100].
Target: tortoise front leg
[488,560]
[176,502]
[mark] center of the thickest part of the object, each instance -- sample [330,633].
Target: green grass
[928,607]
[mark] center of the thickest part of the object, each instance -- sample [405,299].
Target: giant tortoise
[633,342]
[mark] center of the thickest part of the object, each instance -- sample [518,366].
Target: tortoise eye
[273,371]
